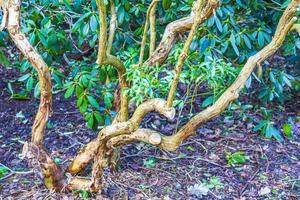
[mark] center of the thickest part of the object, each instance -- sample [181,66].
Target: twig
[248,182]
[12,172]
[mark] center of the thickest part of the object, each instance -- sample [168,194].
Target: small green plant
[214,182]
[93,90]
[21,117]
[287,129]
[150,162]
[83,193]
[266,126]
[3,172]
[274,83]
[237,158]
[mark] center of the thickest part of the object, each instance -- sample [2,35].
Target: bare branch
[152,18]
[143,44]
[112,26]
[103,32]
[39,158]
[20,40]
[105,58]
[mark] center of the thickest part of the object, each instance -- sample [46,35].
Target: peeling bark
[34,151]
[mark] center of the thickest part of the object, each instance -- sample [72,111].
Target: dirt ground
[271,172]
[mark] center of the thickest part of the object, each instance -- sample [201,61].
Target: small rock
[204,131]
[264,191]
[228,122]
[157,123]
[198,190]
[178,186]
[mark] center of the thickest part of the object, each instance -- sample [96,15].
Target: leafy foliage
[236,158]
[266,126]
[67,34]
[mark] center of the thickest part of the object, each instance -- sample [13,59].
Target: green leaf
[86,29]
[93,23]
[93,102]
[80,21]
[37,90]
[90,122]
[24,77]
[208,101]
[80,101]
[247,41]
[42,38]
[84,106]
[108,99]
[218,23]
[100,118]
[271,131]
[29,84]
[288,130]
[233,43]
[70,91]
[3,59]
[10,88]
[166,4]
[79,90]
[260,39]
[261,124]
[150,162]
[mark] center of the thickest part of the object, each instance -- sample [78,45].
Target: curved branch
[20,40]
[173,29]
[35,152]
[119,66]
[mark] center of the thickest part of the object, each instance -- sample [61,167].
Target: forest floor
[272,170]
